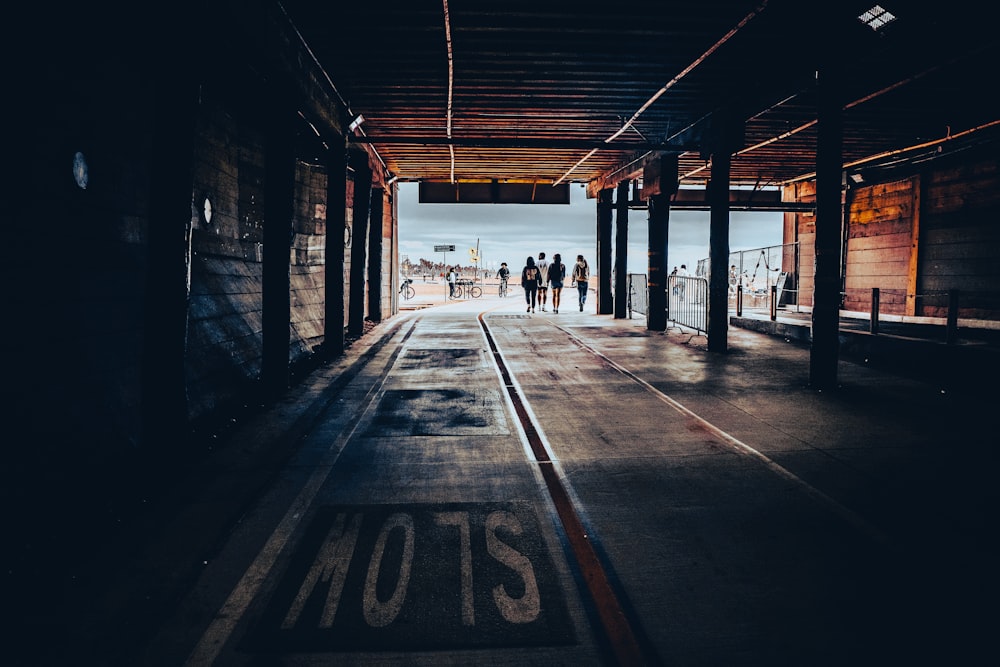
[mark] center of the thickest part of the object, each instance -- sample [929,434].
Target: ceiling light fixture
[356,123]
[877,18]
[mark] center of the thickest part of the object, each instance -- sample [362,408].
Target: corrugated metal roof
[551,92]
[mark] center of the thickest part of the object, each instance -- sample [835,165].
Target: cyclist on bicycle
[504,274]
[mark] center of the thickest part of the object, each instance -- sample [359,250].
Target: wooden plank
[896,242]
[913,266]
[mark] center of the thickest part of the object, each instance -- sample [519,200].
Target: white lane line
[849,515]
[235,606]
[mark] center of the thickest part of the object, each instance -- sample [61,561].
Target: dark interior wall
[223,357]
[81,223]
[960,237]
[77,250]
[75,239]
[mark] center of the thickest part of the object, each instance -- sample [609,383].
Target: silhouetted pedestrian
[557,274]
[531,278]
[581,277]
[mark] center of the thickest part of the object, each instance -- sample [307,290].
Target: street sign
[444,248]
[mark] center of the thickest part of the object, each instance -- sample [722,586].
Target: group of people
[538,277]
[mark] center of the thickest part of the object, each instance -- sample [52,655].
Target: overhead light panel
[356,123]
[877,18]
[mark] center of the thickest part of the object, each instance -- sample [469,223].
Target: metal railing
[687,302]
[944,314]
[638,294]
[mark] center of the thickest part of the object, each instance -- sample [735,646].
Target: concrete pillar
[603,273]
[621,252]
[336,226]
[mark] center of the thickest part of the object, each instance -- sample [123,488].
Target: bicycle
[503,287]
[406,289]
[467,288]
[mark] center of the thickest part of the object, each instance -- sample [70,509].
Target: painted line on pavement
[229,615]
[615,624]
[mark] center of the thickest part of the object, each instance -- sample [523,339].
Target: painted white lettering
[330,566]
[516,610]
[461,520]
[379,614]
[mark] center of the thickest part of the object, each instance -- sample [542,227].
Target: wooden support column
[659,181]
[605,212]
[394,279]
[621,252]
[718,249]
[659,224]
[336,228]
[375,256]
[823,353]
[171,179]
[279,209]
[359,248]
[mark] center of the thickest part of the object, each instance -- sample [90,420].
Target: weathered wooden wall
[801,228]
[308,286]
[133,320]
[879,238]
[916,237]
[960,238]
[223,359]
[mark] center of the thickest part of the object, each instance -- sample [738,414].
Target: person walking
[451,277]
[581,276]
[682,283]
[543,286]
[557,274]
[530,279]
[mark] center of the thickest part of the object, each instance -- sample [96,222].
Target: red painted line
[614,623]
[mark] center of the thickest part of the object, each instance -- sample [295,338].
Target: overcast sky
[511,232]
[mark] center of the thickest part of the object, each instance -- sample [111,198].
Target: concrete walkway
[473,484]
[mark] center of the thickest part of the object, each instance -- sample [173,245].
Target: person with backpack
[543,285]
[531,278]
[557,274]
[581,274]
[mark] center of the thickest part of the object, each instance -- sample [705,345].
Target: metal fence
[761,279]
[687,302]
[638,294]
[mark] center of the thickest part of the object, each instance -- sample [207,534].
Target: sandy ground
[435,292]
